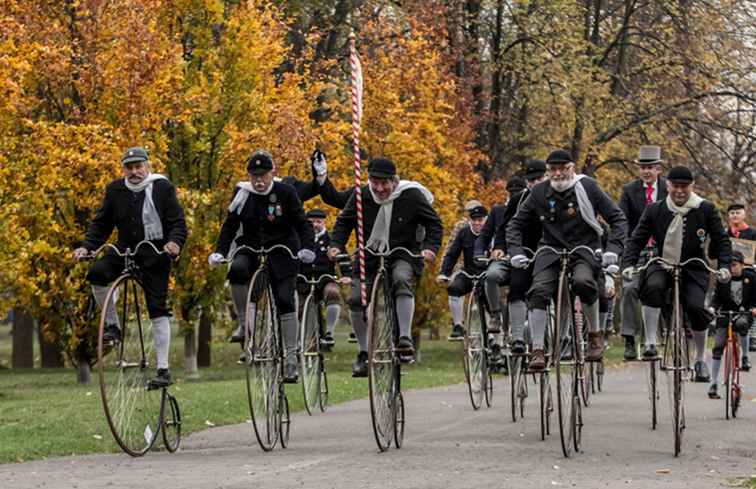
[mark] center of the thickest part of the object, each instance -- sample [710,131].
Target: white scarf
[584,203]
[673,241]
[379,236]
[245,188]
[153,228]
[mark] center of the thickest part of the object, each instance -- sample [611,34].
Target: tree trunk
[190,355]
[23,340]
[83,370]
[50,353]
[204,339]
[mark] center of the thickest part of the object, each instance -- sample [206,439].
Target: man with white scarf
[268,213]
[567,206]
[142,206]
[680,225]
[392,211]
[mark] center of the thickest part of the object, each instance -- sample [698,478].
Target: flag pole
[356,78]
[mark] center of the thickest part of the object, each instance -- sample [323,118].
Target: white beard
[561,185]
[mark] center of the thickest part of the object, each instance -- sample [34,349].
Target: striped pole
[356,70]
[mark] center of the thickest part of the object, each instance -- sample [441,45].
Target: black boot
[630,351]
[162,379]
[360,367]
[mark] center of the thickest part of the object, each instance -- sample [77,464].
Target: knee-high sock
[650,323]
[405,309]
[602,321]
[591,315]
[715,367]
[100,292]
[359,326]
[744,344]
[518,314]
[333,311]
[699,338]
[537,322]
[161,332]
[289,327]
[455,306]
[239,296]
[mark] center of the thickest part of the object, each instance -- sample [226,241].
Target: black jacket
[322,264]
[333,197]
[633,200]
[699,224]
[749,234]
[122,209]
[276,218]
[494,221]
[410,210]
[562,225]
[532,233]
[305,190]
[723,297]
[463,244]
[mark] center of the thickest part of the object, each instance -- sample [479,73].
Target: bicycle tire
[284,418]
[171,422]
[263,361]
[728,376]
[399,420]
[566,373]
[323,388]
[382,363]
[514,378]
[680,342]
[546,404]
[474,357]
[310,357]
[653,391]
[131,408]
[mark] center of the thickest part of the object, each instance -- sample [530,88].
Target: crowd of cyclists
[549,205]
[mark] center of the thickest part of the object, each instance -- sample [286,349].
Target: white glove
[611,269]
[723,275]
[215,259]
[306,256]
[442,278]
[628,273]
[319,166]
[609,258]
[520,261]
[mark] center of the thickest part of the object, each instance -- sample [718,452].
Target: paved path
[447,444]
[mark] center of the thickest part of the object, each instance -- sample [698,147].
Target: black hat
[680,174]
[316,214]
[134,155]
[381,168]
[478,211]
[736,206]
[259,163]
[535,169]
[559,157]
[738,256]
[515,184]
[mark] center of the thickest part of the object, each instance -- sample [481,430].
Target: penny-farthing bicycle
[384,363]
[136,411]
[264,355]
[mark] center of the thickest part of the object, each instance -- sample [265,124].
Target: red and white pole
[356,70]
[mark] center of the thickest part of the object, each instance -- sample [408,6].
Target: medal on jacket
[570,209]
[272,207]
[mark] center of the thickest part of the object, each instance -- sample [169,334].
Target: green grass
[44,413]
[744,482]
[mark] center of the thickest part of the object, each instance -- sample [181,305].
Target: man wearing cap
[463,244]
[392,211]
[497,274]
[520,278]
[142,206]
[567,205]
[737,295]
[327,289]
[737,226]
[680,225]
[636,195]
[268,213]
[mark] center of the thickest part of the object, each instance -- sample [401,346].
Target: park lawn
[44,413]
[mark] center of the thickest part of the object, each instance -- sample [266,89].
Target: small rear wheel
[171,422]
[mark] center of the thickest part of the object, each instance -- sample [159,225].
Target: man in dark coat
[462,245]
[680,225]
[737,227]
[737,295]
[567,206]
[520,278]
[636,195]
[392,211]
[268,213]
[142,206]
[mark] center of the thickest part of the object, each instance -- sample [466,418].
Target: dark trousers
[460,286]
[283,283]
[520,280]
[656,286]
[154,272]
[546,284]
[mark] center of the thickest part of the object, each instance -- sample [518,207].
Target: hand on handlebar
[306,256]
[333,253]
[441,279]
[520,261]
[497,255]
[215,259]
[723,275]
[345,280]
[628,273]
[428,255]
[608,259]
[173,249]
[81,253]
[611,269]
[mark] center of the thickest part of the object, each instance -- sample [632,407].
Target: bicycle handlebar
[562,253]
[392,251]
[681,265]
[259,251]
[126,253]
[317,280]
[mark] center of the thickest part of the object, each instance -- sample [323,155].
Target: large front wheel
[263,360]
[131,407]
[475,358]
[311,358]
[382,363]
[564,353]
